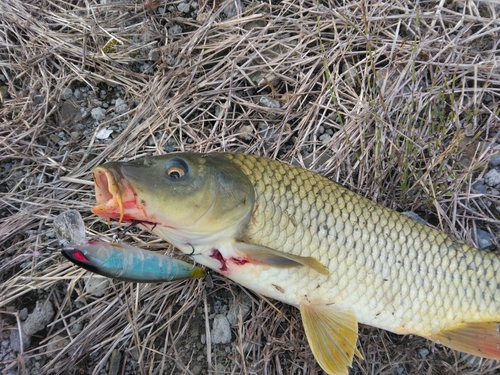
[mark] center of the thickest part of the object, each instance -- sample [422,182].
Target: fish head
[197,194]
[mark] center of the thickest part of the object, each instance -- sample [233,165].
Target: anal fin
[478,338]
[332,334]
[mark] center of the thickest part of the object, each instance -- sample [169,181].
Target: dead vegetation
[398,100]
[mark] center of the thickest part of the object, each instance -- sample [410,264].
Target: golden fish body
[394,272]
[295,236]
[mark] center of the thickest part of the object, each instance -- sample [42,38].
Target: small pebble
[98,114]
[245,132]
[23,314]
[171,145]
[201,17]
[495,160]
[492,178]
[424,352]
[96,286]
[183,7]
[175,30]
[350,73]
[270,135]
[37,99]
[493,191]
[400,370]
[196,369]
[269,102]
[54,138]
[484,239]
[55,345]
[39,318]
[120,106]
[67,93]
[146,66]
[221,331]
[325,138]
[103,133]
[233,8]
[76,328]
[15,341]
[240,306]
[479,187]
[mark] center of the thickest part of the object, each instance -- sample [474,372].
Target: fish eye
[175,173]
[177,169]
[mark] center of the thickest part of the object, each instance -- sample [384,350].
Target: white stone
[98,114]
[96,286]
[183,7]
[492,178]
[120,106]
[103,133]
[221,331]
[39,318]
[269,102]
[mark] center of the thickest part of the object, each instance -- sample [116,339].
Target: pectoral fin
[481,339]
[332,334]
[263,255]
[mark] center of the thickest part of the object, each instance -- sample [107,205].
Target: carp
[295,236]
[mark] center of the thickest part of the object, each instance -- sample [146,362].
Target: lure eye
[78,255]
[177,169]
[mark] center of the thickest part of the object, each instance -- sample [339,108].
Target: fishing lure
[128,263]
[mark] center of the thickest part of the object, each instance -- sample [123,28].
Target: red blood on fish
[239,261]
[217,255]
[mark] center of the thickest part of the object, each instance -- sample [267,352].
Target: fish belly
[391,271]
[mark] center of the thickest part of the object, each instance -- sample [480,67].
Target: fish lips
[116,198]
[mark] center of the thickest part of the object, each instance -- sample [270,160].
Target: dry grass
[409,92]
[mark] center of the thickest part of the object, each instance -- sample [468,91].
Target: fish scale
[394,272]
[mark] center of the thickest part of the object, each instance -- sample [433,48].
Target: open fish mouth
[112,192]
